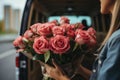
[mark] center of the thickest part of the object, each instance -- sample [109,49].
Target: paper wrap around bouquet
[60,41]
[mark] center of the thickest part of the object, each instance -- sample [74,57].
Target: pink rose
[59,44]
[78,31]
[40,45]
[91,31]
[71,33]
[82,37]
[34,27]
[93,41]
[28,34]
[64,20]
[58,30]
[55,22]
[45,29]
[18,42]
[68,26]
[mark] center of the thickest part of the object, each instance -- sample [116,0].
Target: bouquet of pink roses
[61,41]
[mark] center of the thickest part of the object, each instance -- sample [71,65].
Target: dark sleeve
[110,69]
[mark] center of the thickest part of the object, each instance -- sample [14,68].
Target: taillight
[17,60]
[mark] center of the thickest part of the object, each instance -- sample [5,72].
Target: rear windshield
[74,19]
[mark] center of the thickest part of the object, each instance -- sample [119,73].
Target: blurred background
[10,18]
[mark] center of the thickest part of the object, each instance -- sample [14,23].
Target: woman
[107,67]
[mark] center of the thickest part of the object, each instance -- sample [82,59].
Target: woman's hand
[55,72]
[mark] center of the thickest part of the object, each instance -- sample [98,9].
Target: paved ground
[7,61]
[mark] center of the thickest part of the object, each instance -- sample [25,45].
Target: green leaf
[75,47]
[47,56]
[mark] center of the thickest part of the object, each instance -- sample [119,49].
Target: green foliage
[75,47]
[1,26]
[47,56]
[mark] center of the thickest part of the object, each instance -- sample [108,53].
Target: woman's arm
[110,69]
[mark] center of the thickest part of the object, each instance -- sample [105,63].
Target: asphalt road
[7,61]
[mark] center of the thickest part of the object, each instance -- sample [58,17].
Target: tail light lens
[17,61]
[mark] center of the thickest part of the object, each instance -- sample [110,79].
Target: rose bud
[34,27]
[28,35]
[58,30]
[71,34]
[55,22]
[18,42]
[25,40]
[64,20]
[91,31]
[45,29]
[68,27]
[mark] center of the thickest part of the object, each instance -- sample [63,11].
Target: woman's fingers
[51,71]
[55,64]
[48,70]
[57,67]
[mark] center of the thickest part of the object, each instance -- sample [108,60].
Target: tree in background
[1,26]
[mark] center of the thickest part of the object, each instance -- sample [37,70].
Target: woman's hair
[115,21]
